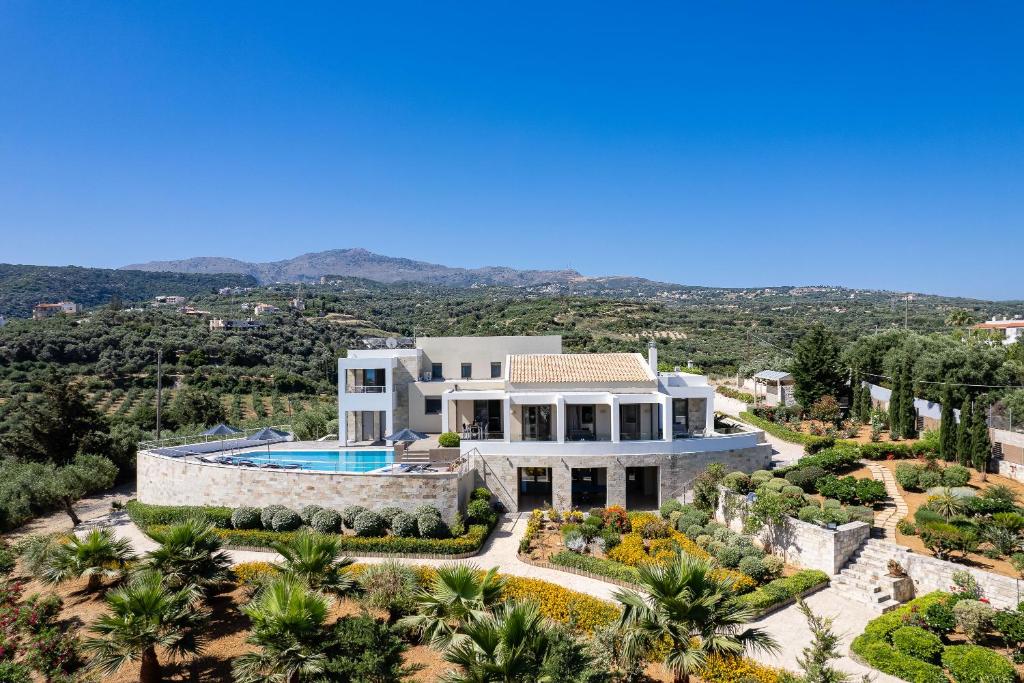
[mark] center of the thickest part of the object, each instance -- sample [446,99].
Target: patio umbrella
[221,430]
[268,434]
[406,435]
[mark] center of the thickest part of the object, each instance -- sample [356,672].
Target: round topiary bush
[669,506]
[481,493]
[975,664]
[326,521]
[956,475]
[927,479]
[791,490]
[369,523]
[285,520]
[349,514]
[480,512]
[859,513]
[918,643]
[737,482]
[307,513]
[774,565]
[777,485]
[730,556]
[449,440]
[832,503]
[694,530]
[426,510]
[758,477]
[703,540]
[431,526]
[389,513]
[805,477]
[403,524]
[754,567]
[267,515]
[245,518]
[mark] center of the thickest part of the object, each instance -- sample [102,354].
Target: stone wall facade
[676,472]
[799,543]
[176,481]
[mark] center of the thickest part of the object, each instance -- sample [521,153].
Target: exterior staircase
[865,577]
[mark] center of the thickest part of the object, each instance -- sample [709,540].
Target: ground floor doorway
[589,487]
[534,488]
[642,488]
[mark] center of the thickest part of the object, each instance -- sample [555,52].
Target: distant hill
[22,287]
[362,264]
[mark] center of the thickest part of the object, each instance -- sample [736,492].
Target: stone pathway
[887,518]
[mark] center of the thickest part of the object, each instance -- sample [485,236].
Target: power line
[952,384]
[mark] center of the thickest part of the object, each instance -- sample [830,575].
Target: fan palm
[288,626]
[459,594]
[145,615]
[97,554]
[509,646]
[687,607]
[190,552]
[316,559]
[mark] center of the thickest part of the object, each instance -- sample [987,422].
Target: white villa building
[542,426]
[1013,330]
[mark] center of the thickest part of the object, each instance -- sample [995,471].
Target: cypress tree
[864,404]
[895,411]
[981,446]
[907,401]
[947,427]
[963,437]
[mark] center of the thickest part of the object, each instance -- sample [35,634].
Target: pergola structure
[778,387]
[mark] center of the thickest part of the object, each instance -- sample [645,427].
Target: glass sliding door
[537,423]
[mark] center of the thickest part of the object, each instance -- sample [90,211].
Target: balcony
[365,389]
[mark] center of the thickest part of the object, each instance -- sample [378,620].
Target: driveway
[783,452]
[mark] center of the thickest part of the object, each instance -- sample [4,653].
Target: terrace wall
[176,481]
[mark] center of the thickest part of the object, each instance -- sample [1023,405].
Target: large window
[496,370]
[536,423]
[431,406]
[680,418]
[435,372]
[467,371]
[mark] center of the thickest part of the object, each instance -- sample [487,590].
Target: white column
[342,417]
[666,418]
[560,419]
[615,419]
[709,416]
[506,418]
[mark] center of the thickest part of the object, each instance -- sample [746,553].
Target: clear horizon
[876,146]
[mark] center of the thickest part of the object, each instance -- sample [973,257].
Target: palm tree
[459,593]
[95,555]
[690,609]
[145,615]
[288,626]
[190,552]
[946,504]
[509,646]
[316,559]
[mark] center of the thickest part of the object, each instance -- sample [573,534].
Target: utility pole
[906,313]
[159,388]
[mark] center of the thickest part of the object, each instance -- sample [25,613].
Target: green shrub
[737,482]
[975,618]
[144,515]
[887,659]
[843,489]
[369,523]
[449,440]
[792,491]
[594,565]
[404,525]
[906,527]
[431,526]
[758,477]
[669,506]
[834,459]
[754,567]
[388,513]
[609,538]
[776,485]
[925,516]
[594,520]
[267,516]
[870,491]
[882,451]
[810,513]
[694,531]
[939,617]
[956,475]
[908,476]
[805,477]
[780,590]
[859,513]
[729,556]
[308,512]
[481,493]
[349,514]
[426,510]
[786,434]
[918,643]
[929,478]
[326,521]
[285,520]
[479,512]
[974,664]
[245,518]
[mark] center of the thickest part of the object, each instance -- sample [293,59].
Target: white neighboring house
[41,311]
[574,430]
[1012,329]
[170,300]
[261,309]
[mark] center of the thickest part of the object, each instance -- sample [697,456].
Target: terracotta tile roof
[582,368]
[999,324]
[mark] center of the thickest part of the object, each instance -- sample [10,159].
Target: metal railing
[186,439]
[365,389]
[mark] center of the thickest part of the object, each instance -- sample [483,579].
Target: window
[431,406]
[435,372]
[467,371]
[496,370]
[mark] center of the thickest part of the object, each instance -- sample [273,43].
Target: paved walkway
[783,452]
[887,518]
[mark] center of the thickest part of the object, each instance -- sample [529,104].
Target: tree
[87,473]
[959,318]
[686,611]
[947,426]
[508,645]
[824,647]
[190,552]
[963,437]
[864,405]
[146,615]
[55,426]
[194,407]
[981,445]
[95,555]
[288,628]
[317,560]
[458,595]
[896,412]
[362,649]
[908,413]
[817,370]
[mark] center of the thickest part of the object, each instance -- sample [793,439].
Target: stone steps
[865,577]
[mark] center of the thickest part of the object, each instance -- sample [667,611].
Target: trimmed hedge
[595,565]
[780,590]
[974,664]
[784,433]
[917,642]
[875,645]
[144,515]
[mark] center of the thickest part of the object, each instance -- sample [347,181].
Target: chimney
[652,356]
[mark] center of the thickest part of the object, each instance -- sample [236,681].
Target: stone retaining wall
[800,543]
[176,481]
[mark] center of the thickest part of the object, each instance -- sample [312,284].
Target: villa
[1012,330]
[537,427]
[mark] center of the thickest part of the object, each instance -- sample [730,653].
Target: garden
[943,636]
[390,530]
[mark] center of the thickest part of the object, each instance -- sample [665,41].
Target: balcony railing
[366,389]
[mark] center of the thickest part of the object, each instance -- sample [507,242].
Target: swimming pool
[322,461]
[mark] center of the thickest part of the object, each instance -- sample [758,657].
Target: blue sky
[871,144]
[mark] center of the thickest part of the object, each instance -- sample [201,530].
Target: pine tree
[909,421]
[981,446]
[817,370]
[947,427]
[963,437]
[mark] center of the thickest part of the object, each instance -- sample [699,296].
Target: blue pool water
[324,461]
